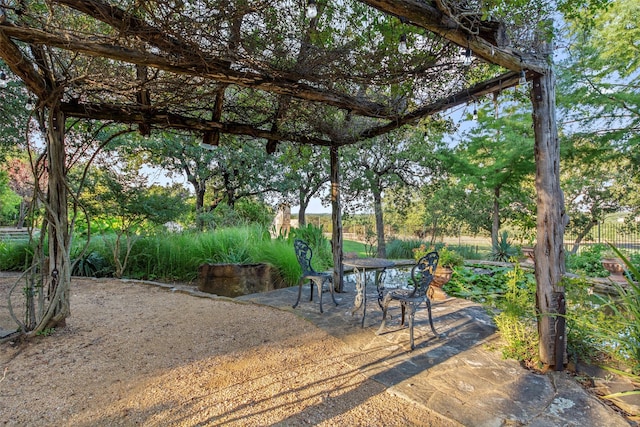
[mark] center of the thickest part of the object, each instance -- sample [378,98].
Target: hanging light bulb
[475,113]
[467,57]
[523,78]
[312,9]
[402,46]
[29,105]
[3,80]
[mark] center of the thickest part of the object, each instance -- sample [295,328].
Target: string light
[402,46]
[3,80]
[312,9]
[467,57]
[523,78]
[475,112]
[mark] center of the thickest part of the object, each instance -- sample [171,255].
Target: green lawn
[351,246]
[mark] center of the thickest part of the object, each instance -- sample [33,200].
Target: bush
[16,255]
[588,262]
[516,320]
[91,264]
[402,249]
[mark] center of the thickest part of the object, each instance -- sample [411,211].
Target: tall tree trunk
[551,222]
[22,214]
[495,223]
[59,268]
[302,221]
[200,192]
[584,232]
[336,218]
[377,209]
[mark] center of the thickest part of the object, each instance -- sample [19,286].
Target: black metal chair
[304,255]
[425,268]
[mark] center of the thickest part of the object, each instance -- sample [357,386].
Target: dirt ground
[136,354]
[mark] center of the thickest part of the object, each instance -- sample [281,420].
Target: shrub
[402,249]
[16,255]
[588,262]
[91,264]
[516,320]
[446,257]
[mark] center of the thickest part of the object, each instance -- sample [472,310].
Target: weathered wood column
[551,222]
[336,219]
[59,274]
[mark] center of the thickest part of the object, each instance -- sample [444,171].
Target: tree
[495,159]
[180,155]
[21,181]
[595,184]
[120,198]
[599,94]
[393,160]
[306,171]
[599,99]
[9,200]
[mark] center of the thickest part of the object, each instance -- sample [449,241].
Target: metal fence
[621,235]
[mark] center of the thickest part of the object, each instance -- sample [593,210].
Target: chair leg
[318,283]
[433,329]
[330,283]
[412,315]
[385,306]
[300,282]
[311,283]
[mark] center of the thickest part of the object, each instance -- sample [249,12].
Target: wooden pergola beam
[496,84]
[196,66]
[426,15]
[23,67]
[164,119]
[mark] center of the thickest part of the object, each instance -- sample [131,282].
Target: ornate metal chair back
[304,255]
[422,273]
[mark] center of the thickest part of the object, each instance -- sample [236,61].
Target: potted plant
[612,263]
[447,260]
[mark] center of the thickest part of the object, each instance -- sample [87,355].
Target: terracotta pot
[613,265]
[442,276]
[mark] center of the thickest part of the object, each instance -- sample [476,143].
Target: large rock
[232,280]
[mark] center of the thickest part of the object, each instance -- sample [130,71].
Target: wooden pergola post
[551,222]
[336,219]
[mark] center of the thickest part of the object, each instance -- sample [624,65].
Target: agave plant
[503,250]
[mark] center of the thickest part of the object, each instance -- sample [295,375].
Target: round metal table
[360,267]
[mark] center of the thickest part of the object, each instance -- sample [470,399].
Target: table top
[368,262]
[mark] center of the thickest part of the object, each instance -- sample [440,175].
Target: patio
[462,377]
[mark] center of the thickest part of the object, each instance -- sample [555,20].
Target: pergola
[265,70]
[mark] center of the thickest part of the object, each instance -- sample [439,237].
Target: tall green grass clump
[320,245]
[171,256]
[605,329]
[165,256]
[627,308]
[280,254]
[402,249]
[16,255]
[230,245]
